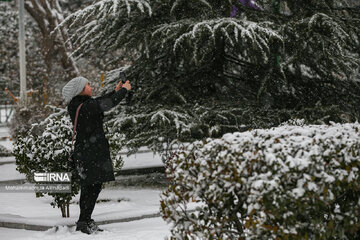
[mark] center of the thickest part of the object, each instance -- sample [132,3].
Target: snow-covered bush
[45,148]
[288,182]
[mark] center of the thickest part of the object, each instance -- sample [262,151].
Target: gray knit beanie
[73,88]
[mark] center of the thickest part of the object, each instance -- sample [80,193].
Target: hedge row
[295,181]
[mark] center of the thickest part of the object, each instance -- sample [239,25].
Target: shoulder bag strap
[75,123]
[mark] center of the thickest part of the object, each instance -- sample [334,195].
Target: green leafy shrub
[294,181]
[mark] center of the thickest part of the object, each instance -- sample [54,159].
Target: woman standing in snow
[91,152]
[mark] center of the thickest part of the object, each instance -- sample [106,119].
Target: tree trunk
[67,207]
[62,207]
[45,91]
[48,15]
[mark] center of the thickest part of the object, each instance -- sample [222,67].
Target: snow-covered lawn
[4,138]
[26,208]
[8,172]
[7,159]
[7,143]
[146,229]
[142,160]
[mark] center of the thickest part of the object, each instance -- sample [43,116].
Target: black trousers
[88,196]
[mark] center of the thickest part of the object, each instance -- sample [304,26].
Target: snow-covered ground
[145,229]
[7,144]
[142,160]
[24,207]
[5,138]
[6,159]
[8,171]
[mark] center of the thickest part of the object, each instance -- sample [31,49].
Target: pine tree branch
[238,61]
[233,76]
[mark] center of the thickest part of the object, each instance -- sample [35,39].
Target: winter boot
[91,223]
[84,227]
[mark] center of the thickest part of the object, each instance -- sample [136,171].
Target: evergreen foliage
[197,72]
[295,181]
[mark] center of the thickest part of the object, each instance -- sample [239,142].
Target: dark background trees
[198,73]
[203,68]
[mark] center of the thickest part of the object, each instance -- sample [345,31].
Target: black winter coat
[91,152]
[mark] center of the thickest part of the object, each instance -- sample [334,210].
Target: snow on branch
[328,44]
[203,36]
[105,7]
[163,117]
[98,17]
[320,20]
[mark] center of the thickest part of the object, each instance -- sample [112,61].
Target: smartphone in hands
[122,76]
